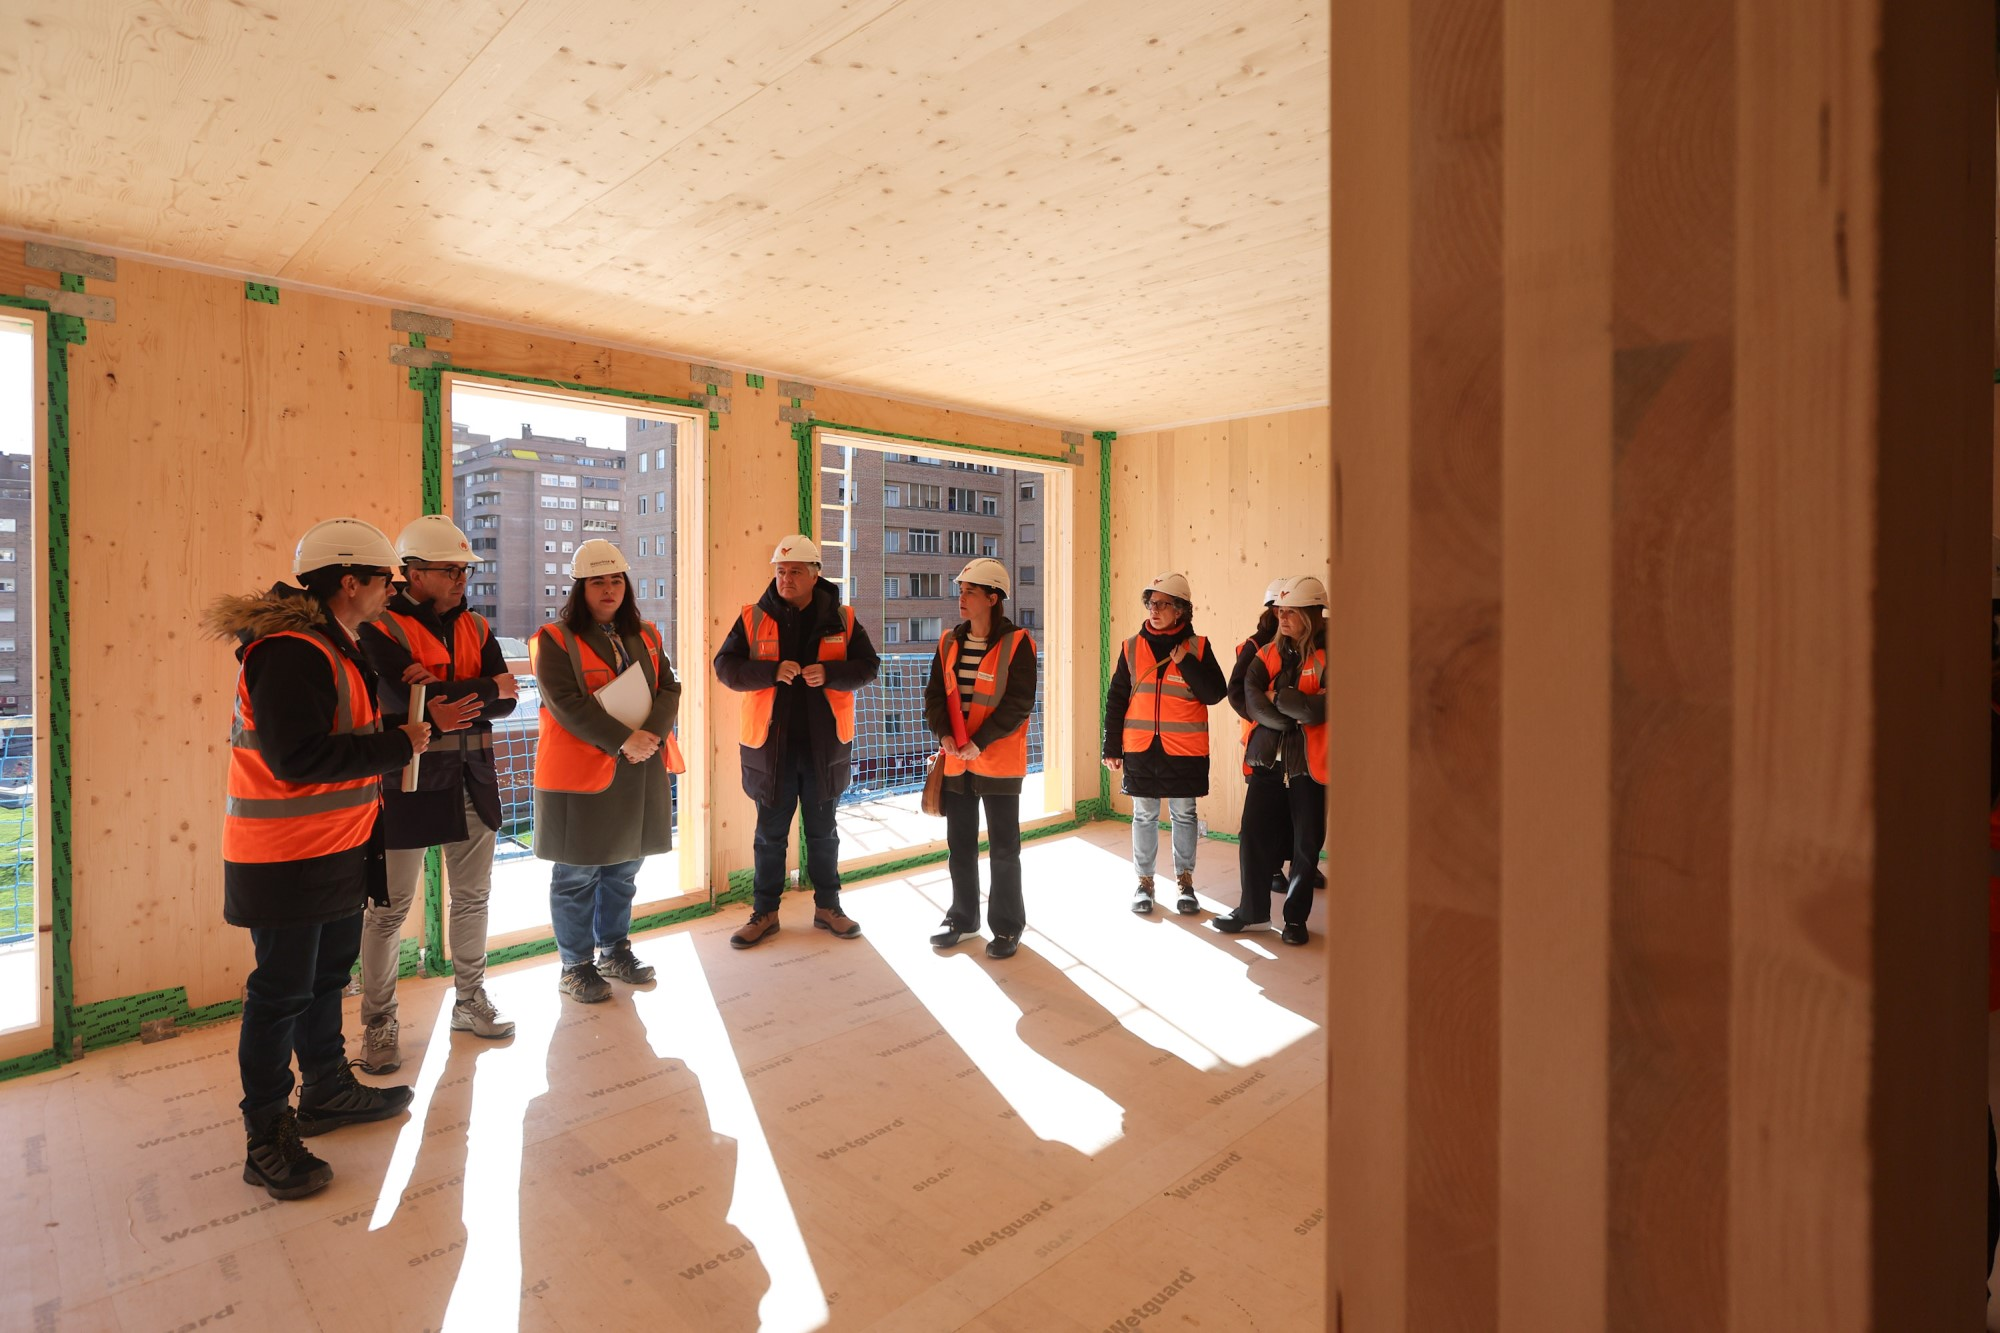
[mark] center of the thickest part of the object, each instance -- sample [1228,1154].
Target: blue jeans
[291,1005]
[1146,833]
[591,904]
[796,791]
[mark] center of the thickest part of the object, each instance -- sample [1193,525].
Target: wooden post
[1662,469]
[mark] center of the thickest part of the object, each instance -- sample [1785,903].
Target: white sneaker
[381,1049]
[475,1013]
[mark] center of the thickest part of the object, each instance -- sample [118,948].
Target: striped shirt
[970,654]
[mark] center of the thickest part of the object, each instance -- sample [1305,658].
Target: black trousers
[1005,910]
[796,791]
[1281,821]
[291,1006]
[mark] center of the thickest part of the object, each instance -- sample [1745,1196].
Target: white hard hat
[987,573]
[343,541]
[1303,591]
[1173,585]
[797,548]
[1274,589]
[596,557]
[436,539]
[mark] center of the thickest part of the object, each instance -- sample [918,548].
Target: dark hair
[576,611]
[1267,626]
[1186,607]
[324,582]
[987,587]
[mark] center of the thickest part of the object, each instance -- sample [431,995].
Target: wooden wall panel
[207,433]
[1232,505]
[1743,325]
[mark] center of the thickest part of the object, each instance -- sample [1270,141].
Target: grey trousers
[1146,833]
[468,870]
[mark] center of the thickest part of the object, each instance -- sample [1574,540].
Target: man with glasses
[428,636]
[301,846]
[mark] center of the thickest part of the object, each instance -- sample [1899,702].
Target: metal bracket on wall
[1074,440]
[716,402]
[64,260]
[711,376]
[79,304]
[797,416]
[794,389]
[413,321]
[160,1029]
[423,358]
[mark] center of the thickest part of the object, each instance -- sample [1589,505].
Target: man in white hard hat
[797,655]
[428,636]
[301,849]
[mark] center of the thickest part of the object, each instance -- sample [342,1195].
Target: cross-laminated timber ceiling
[1103,213]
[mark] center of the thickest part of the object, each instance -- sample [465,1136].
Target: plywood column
[1662,469]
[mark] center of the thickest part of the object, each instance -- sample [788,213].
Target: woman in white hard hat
[301,846]
[1156,732]
[982,687]
[1246,652]
[1284,690]
[602,797]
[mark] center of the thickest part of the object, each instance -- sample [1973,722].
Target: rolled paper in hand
[416,715]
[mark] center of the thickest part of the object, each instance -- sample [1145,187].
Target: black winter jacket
[292,697]
[1016,706]
[434,814]
[1152,771]
[1279,741]
[800,716]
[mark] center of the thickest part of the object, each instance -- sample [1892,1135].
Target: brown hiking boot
[758,927]
[1188,904]
[842,925]
[1142,897]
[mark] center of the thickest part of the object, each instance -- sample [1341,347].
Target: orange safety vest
[468,648]
[268,819]
[1008,756]
[1311,673]
[563,761]
[1179,720]
[761,629]
[469,635]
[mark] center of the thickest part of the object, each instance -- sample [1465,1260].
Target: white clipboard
[629,697]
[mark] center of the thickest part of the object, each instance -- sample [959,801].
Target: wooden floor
[1122,1123]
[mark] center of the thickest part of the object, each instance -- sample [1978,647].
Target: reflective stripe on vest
[566,762]
[1008,756]
[267,819]
[469,635]
[760,630]
[1162,706]
[1310,682]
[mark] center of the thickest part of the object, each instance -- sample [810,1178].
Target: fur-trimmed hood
[249,618]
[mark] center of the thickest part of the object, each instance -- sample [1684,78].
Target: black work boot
[337,1098]
[275,1161]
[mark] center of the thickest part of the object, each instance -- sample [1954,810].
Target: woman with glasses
[1284,803]
[1156,733]
[603,798]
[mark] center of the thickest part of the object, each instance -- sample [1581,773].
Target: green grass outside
[17,871]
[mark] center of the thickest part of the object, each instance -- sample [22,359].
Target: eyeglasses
[1159,603]
[449,571]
